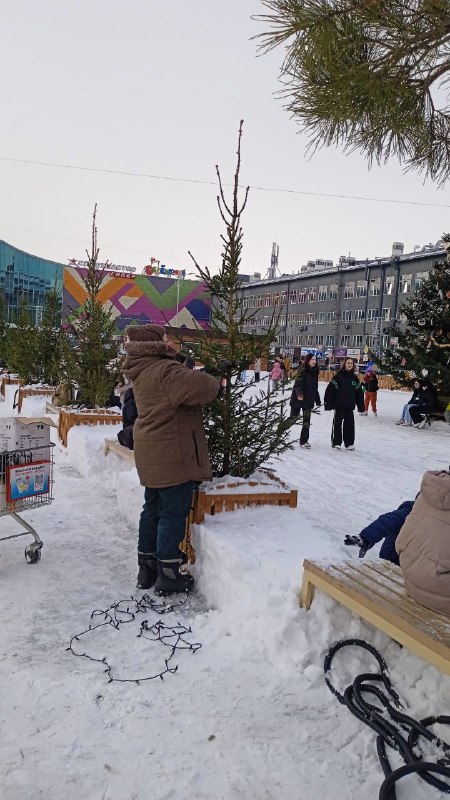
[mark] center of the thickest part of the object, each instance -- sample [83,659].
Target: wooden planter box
[7,381]
[215,502]
[68,418]
[26,391]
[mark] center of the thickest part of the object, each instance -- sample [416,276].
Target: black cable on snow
[393,727]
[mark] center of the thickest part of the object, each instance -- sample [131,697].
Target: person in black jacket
[405,418]
[305,395]
[129,417]
[427,403]
[342,394]
[370,395]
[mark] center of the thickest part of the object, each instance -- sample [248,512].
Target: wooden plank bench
[114,446]
[375,591]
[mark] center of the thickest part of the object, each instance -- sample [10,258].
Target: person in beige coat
[170,451]
[423,544]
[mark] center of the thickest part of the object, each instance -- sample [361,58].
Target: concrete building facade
[339,310]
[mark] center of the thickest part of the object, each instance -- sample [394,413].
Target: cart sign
[28,480]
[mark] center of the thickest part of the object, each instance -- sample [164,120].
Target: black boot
[147,571]
[170,579]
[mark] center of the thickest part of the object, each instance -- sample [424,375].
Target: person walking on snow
[276,374]
[305,395]
[342,394]
[370,395]
[170,450]
[257,369]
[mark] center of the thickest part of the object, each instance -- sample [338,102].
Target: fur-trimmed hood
[139,353]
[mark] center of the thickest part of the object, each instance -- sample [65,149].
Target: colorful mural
[143,298]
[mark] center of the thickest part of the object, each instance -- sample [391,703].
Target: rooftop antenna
[273,269]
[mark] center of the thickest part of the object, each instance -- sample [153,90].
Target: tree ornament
[413,351]
[424,372]
[421,322]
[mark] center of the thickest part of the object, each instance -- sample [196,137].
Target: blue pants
[162,524]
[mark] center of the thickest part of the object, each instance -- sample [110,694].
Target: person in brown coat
[423,544]
[170,451]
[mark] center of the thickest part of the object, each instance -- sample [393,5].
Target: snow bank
[85,449]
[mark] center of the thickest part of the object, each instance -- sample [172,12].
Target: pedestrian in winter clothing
[371,388]
[386,527]
[257,369]
[427,403]
[305,395]
[342,394]
[189,361]
[405,418]
[129,417]
[423,544]
[170,451]
[276,374]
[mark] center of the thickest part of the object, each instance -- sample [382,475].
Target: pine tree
[53,348]
[368,75]
[3,328]
[242,434]
[21,354]
[95,357]
[425,342]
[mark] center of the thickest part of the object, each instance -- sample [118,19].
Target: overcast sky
[159,87]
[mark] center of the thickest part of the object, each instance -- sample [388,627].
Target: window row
[309,340]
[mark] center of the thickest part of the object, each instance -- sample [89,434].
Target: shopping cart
[26,482]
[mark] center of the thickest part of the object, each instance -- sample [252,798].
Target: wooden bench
[375,591]
[114,446]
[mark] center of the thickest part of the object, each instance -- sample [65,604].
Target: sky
[158,88]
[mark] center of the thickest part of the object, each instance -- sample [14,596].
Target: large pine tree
[424,344]
[242,433]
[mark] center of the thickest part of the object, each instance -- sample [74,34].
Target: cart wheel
[32,554]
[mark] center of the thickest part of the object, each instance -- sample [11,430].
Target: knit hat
[145,333]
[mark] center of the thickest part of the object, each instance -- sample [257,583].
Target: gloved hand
[358,541]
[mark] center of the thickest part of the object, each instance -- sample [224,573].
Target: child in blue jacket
[386,527]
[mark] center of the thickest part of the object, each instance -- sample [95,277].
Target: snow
[249,715]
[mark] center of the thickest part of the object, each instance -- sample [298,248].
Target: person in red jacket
[370,382]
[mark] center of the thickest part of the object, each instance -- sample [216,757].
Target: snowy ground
[248,717]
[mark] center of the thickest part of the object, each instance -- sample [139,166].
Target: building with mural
[23,275]
[179,302]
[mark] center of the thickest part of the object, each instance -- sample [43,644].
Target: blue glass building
[28,276]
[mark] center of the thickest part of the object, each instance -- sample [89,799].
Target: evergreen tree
[22,355]
[53,348]
[368,75]
[242,434]
[425,342]
[95,365]
[3,328]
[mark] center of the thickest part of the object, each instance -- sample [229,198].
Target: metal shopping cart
[26,482]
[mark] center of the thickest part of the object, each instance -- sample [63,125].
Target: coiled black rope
[393,727]
[117,614]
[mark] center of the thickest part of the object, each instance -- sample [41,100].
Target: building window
[252,301]
[420,278]
[310,318]
[322,293]
[299,341]
[321,317]
[283,298]
[386,314]
[329,340]
[309,340]
[334,291]
[349,291]
[276,299]
[345,340]
[260,300]
[384,341]
[389,285]
[245,302]
[293,296]
[267,300]
[360,315]
[265,321]
[373,313]
[361,289]
[405,284]
[357,340]
[312,294]
[319,340]
[346,316]
[302,296]
[331,316]
[301,319]
[374,287]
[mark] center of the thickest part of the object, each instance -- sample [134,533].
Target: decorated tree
[243,431]
[424,345]
[94,364]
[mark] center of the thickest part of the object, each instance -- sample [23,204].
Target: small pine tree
[95,365]
[53,348]
[425,342]
[3,328]
[21,346]
[242,434]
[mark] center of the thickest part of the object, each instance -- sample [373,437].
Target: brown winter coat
[423,544]
[169,439]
